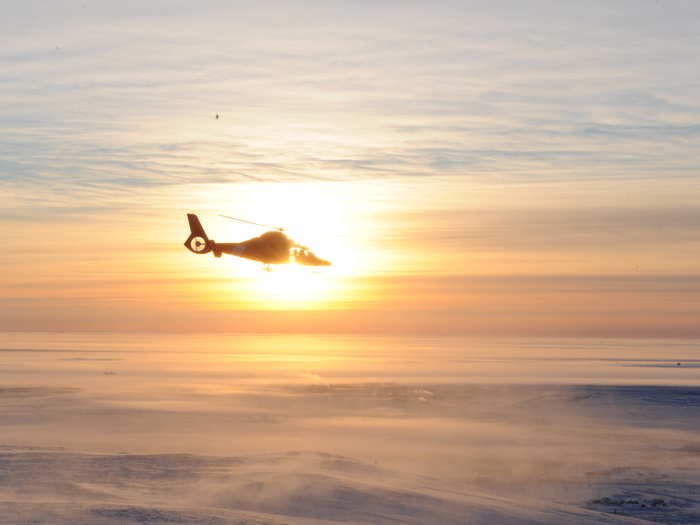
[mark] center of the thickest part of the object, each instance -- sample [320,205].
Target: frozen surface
[103,429]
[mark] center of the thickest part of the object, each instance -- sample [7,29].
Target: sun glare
[290,288]
[326,217]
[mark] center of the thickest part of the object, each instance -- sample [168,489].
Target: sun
[322,216]
[290,287]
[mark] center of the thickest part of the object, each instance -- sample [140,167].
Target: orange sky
[409,257]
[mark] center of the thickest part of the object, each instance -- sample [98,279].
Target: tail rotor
[197,242]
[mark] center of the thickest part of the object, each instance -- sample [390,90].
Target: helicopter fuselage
[270,248]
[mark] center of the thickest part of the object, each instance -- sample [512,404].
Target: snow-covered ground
[98,431]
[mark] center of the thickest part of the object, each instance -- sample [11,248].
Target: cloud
[552,228]
[584,305]
[110,108]
[123,103]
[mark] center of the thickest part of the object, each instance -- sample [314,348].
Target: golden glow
[289,287]
[329,218]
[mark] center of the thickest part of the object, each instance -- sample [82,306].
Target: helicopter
[272,247]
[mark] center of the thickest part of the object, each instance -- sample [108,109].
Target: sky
[468,167]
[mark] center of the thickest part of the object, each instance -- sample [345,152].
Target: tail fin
[196,226]
[197,242]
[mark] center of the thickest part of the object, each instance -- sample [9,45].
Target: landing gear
[267,267]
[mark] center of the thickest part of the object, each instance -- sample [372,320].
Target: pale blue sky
[89,91]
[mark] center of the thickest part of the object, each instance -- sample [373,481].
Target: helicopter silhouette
[272,247]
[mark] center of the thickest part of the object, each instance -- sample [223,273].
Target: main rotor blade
[253,223]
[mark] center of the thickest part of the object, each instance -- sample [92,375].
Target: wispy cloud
[108,114]
[126,97]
